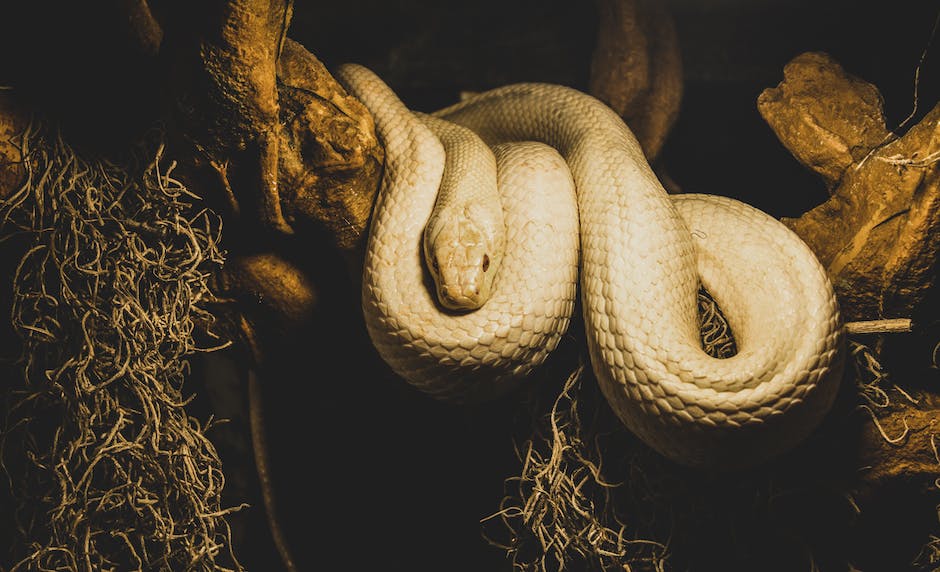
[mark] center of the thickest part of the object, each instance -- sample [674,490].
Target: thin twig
[888,326]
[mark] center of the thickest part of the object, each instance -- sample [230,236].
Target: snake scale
[584,213]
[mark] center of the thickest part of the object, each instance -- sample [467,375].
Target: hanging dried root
[589,496]
[104,468]
[930,553]
[560,512]
[903,421]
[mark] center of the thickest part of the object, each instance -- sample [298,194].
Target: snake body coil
[643,256]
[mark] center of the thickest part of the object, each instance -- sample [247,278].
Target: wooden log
[330,162]
[221,60]
[636,68]
[879,233]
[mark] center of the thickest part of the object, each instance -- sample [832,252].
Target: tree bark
[636,68]
[878,234]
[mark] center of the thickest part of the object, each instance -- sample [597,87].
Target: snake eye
[486,262]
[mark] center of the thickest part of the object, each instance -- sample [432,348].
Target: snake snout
[461,297]
[461,266]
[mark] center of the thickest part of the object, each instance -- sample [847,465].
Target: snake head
[462,256]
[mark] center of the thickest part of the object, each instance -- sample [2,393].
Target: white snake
[643,256]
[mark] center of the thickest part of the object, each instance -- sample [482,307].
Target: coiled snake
[643,255]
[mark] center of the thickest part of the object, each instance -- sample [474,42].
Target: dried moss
[561,511]
[104,467]
[875,387]
[590,496]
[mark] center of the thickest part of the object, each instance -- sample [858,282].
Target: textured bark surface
[221,59]
[827,118]
[267,126]
[879,232]
[329,168]
[269,288]
[330,160]
[266,129]
[636,68]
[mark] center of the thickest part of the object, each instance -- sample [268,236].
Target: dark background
[371,475]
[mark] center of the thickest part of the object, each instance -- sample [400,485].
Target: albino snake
[643,256]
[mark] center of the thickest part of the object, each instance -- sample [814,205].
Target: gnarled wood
[878,234]
[222,58]
[636,68]
[330,159]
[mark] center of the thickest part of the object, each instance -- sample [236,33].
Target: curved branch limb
[222,62]
[636,68]
[878,235]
